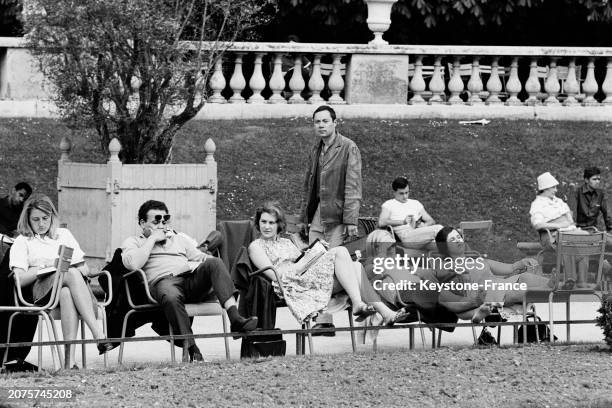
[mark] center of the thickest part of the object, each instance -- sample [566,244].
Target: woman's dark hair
[441,242]
[274,209]
[400,182]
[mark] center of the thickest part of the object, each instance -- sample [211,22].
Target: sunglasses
[164,219]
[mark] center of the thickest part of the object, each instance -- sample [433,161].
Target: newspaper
[310,256]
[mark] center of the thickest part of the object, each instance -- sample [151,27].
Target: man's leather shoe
[195,355]
[244,325]
[327,333]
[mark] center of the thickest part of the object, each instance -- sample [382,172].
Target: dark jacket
[340,183]
[589,203]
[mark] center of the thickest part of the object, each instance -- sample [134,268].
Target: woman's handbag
[263,346]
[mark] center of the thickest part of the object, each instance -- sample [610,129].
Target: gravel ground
[533,376]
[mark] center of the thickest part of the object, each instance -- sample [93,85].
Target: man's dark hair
[24,186]
[591,171]
[150,205]
[400,182]
[322,108]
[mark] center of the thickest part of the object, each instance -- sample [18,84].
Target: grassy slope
[458,172]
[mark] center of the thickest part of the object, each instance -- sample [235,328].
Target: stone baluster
[417,84]
[590,87]
[436,84]
[217,83]
[237,81]
[296,82]
[474,84]
[532,86]
[455,84]
[494,84]
[277,81]
[257,83]
[513,86]
[571,86]
[606,86]
[336,83]
[551,85]
[316,83]
[65,147]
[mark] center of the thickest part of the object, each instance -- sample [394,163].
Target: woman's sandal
[363,312]
[398,317]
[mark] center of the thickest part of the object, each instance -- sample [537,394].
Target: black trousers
[172,292]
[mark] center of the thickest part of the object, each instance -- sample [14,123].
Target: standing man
[11,206]
[332,189]
[178,273]
[590,201]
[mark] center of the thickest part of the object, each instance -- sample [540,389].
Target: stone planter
[379,19]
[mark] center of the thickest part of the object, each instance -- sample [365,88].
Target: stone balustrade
[298,73]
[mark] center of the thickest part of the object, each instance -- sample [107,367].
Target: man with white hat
[550,214]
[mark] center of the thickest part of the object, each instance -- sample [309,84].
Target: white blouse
[37,251]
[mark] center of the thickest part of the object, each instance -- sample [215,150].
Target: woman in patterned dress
[307,292]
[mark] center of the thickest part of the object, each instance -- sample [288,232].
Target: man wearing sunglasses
[167,259]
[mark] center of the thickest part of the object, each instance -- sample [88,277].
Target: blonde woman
[37,247]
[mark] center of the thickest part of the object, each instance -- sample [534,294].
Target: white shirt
[37,251]
[544,209]
[399,211]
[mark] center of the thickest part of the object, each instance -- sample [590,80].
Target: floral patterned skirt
[309,293]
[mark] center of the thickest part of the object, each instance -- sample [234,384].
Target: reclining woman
[37,247]
[414,227]
[308,291]
[498,283]
[551,215]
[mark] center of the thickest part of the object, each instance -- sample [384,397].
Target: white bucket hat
[546,180]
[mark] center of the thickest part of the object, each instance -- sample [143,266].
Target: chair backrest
[581,245]
[482,225]
[426,70]
[326,69]
[236,234]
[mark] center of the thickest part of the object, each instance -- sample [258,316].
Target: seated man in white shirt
[414,227]
[165,258]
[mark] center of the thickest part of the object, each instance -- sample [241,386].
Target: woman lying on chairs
[498,283]
[307,291]
[36,248]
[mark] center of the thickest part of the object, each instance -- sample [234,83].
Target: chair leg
[567,317]
[83,350]
[225,339]
[433,338]
[310,347]
[550,318]
[172,356]
[55,350]
[499,335]
[104,331]
[40,318]
[123,330]
[353,341]
[8,337]
[298,344]
[475,335]
[411,338]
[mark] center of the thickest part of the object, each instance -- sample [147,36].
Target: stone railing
[454,75]
[297,73]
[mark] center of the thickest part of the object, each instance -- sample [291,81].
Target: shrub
[604,320]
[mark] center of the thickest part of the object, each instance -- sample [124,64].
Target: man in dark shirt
[11,206]
[590,201]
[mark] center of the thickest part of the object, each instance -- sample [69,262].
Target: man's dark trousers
[172,292]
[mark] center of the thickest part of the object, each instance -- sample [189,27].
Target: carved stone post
[532,86]
[606,86]
[590,86]
[237,81]
[494,84]
[571,86]
[277,81]
[257,83]
[474,84]
[217,83]
[455,84]
[336,83]
[551,85]
[296,83]
[417,84]
[436,84]
[316,83]
[513,86]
